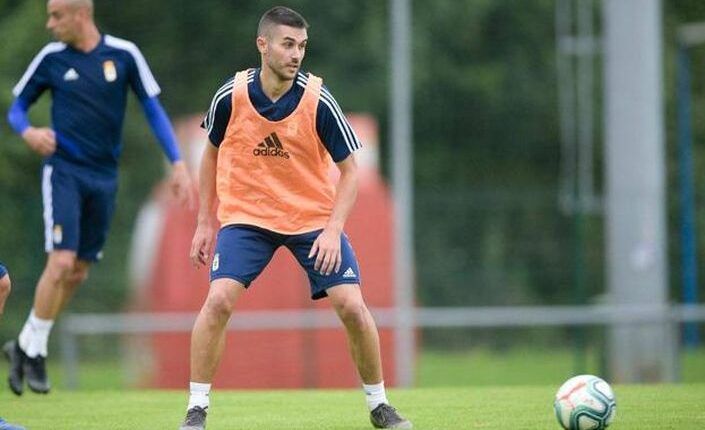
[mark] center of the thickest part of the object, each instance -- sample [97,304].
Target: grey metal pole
[586,62]
[635,182]
[565,70]
[69,355]
[402,187]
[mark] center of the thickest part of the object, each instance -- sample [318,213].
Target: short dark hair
[281,15]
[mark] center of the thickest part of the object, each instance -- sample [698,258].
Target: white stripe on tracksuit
[47,200]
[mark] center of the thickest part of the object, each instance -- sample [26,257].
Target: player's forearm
[346,193]
[17,116]
[206,185]
[161,126]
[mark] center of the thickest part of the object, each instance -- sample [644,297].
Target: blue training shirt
[89,92]
[331,125]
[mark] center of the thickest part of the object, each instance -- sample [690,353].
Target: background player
[5,287]
[88,74]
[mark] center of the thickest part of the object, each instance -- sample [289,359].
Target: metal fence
[74,325]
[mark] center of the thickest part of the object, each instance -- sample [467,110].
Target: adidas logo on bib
[271,146]
[350,273]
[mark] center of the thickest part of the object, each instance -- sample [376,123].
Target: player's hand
[180,184]
[202,244]
[326,249]
[42,140]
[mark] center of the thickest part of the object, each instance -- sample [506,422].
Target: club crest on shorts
[58,234]
[109,71]
[216,262]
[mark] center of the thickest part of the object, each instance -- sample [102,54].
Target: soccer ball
[585,402]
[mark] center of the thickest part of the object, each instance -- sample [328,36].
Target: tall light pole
[401,106]
[637,264]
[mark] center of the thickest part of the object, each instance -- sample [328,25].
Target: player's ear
[82,13]
[262,44]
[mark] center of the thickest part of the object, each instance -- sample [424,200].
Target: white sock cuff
[199,387]
[199,395]
[374,395]
[373,388]
[38,323]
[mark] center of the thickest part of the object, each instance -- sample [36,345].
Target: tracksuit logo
[71,75]
[271,146]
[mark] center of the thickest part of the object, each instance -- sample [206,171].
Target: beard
[282,72]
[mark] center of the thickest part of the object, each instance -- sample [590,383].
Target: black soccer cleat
[195,419]
[35,373]
[15,357]
[386,417]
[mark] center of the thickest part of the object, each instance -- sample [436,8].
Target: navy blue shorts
[3,271]
[243,251]
[78,207]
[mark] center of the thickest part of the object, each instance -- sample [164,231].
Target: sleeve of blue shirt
[333,128]
[17,116]
[32,84]
[218,116]
[161,126]
[35,79]
[140,75]
[146,88]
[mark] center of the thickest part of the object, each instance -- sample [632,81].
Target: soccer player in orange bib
[273,131]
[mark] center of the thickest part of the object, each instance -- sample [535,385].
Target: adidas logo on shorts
[350,273]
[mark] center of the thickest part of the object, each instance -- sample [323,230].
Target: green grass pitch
[521,407]
[464,390]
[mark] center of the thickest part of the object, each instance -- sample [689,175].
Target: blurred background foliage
[489,230]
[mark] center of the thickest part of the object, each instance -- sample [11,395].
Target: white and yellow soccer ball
[585,402]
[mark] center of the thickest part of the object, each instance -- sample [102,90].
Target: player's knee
[353,313]
[5,287]
[61,266]
[78,276]
[218,304]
